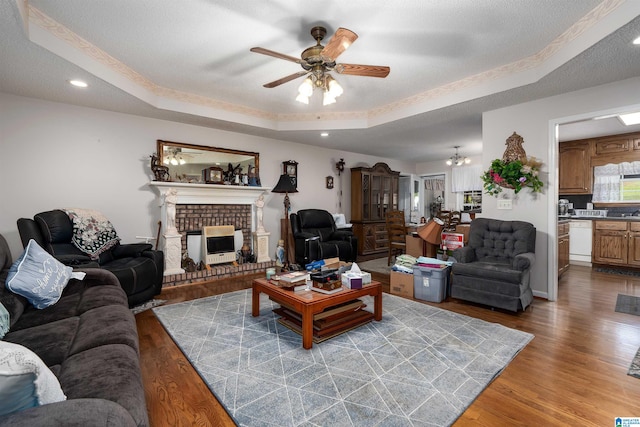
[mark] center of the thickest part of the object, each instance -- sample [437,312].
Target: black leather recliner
[316,237]
[138,268]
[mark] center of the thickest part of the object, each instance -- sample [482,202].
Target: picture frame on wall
[290,168]
[330,182]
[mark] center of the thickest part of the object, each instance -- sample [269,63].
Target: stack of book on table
[294,280]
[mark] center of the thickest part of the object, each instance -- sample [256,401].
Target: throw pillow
[38,276]
[25,381]
[4,321]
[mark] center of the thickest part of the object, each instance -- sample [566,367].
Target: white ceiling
[189,61]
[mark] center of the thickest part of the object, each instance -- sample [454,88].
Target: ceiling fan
[318,60]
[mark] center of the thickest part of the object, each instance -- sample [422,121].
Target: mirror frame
[160,144]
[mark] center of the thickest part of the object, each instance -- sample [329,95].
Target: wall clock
[213,175]
[290,167]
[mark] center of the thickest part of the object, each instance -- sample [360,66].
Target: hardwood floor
[574,372]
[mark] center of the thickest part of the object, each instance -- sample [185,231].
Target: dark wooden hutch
[374,191]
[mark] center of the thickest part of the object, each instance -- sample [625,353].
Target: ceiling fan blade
[285,79]
[340,41]
[275,54]
[363,70]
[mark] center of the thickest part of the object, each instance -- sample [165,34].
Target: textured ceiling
[190,62]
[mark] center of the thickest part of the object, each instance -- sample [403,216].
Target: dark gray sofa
[89,341]
[494,268]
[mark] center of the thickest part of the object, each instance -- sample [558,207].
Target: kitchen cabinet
[563,247]
[374,191]
[575,172]
[617,243]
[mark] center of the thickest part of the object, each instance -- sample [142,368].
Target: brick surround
[194,217]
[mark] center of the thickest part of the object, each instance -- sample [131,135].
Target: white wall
[57,155]
[535,121]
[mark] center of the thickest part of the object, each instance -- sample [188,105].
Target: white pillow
[38,276]
[4,321]
[25,381]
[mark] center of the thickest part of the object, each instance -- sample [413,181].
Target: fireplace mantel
[198,194]
[203,194]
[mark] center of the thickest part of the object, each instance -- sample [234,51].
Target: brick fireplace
[201,205]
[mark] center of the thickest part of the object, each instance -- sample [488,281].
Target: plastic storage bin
[431,284]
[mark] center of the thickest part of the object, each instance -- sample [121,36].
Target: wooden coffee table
[310,303]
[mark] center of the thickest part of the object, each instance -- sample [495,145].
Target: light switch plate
[505,204]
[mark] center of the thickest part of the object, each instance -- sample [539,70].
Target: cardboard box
[464,230]
[401,284]
[414,245]
[452,241]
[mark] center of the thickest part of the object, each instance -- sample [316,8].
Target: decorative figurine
[514,150]
[259,213]
[160,172]
[280,254]
[170,200]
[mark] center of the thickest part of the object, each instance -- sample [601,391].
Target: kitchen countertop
[606,218]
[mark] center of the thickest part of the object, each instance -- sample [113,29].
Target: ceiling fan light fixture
[334,87]
[327,98]
[302,98]
[306,88]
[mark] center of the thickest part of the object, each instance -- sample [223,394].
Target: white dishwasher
[580,236]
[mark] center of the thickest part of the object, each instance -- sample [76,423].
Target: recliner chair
[494,268]
[138,268]
[316,237]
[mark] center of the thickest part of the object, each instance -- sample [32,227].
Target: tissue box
[352,280]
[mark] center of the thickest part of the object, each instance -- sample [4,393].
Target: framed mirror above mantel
[186,162]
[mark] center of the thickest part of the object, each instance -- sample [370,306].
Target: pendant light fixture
[457,159]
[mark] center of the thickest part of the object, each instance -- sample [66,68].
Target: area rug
[618,271]
[628,304]
[420,365]
[634,369]
[379,265]
[147,305]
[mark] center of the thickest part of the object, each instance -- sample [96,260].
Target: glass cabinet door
[366,196]
[376,197]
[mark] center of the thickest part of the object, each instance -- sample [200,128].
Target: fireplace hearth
[200,205]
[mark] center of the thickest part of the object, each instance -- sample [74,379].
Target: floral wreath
[515,170]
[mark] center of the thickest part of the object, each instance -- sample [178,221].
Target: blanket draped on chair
[93,233]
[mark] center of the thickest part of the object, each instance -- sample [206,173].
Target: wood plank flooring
[572,373]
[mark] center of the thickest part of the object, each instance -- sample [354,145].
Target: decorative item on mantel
[515,170]
[160,172]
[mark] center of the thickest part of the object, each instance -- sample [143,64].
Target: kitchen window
[630,188]
[617,182]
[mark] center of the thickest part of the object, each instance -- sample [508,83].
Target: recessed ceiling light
[636,41]
[324,134]
[78,83]
[630,119]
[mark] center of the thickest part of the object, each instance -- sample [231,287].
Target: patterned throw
[93,234]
